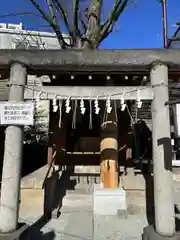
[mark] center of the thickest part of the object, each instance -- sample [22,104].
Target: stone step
[83,182]
[85,189]
[35,179]
[80,175]
[32,200]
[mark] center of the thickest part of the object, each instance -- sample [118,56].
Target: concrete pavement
[76,220]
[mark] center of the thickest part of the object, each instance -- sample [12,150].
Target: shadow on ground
[149,199]
[150,204]
[34,157]
[34,232]
[55,188]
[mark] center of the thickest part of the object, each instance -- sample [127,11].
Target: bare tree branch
[107,27]
[174,36]
[76,31]
[56,28]
[75,15]
[52,11]
[63,15]
[84,25]
[20,13]
[93,32]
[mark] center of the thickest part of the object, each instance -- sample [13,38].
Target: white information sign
[17,113]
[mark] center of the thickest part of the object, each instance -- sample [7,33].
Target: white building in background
[14,36]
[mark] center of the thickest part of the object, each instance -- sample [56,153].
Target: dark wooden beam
[53,61]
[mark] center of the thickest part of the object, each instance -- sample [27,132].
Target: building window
[29,46]
[3,25]
[15,26]
[24,43]
[38,45]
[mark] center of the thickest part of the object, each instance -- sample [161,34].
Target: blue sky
[140,26]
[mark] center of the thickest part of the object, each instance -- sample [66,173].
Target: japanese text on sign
[17,113]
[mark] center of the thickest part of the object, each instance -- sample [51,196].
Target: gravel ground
[79,226]
[77,222]
[114,228]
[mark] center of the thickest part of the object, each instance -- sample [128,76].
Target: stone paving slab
[73,225]
[77,221]
[115,228]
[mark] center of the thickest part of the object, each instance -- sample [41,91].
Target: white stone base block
[109,201]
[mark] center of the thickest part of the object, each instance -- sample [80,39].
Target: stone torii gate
[157,62]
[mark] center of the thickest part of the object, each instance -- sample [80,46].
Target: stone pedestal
[15,235]
[109,201]
[150,234]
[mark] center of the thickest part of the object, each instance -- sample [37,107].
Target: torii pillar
[11,174]
[162,158]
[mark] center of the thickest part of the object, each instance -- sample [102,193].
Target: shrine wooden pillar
[58,135]
[109,153]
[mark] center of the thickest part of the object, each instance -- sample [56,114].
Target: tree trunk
[93,28]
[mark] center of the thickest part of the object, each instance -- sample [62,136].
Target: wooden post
[50,155]
[109,153]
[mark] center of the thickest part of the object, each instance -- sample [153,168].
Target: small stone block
[150,234]
[109,201]
[16,235]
